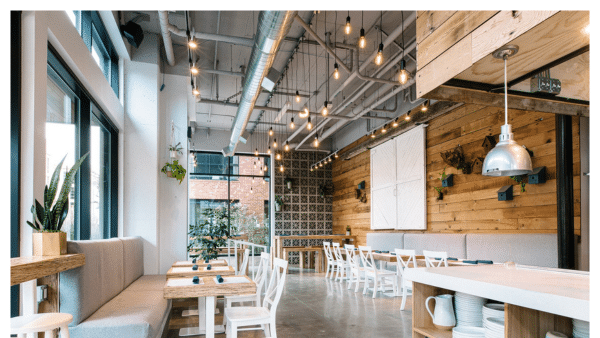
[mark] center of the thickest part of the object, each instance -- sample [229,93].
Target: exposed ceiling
[307,73]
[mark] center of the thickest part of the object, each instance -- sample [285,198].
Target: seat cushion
[385,240]
[526,249]
[453,244]
[136,312]
[85,289]
[133,259]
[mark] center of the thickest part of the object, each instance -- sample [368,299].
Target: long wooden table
[278,241]
[206,291]
[212,262]
[188,271]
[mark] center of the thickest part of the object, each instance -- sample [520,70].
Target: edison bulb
[271,131]
[281,168]
[403,76]
[269,151]
[395,123]
[316,142]
[195,91]
[324,111]
[362,41]
[309,124]
[194,69]
[347,27]
[256,152]
[336,72]
[379,58]
[275,143]
[297,96]
[278,156]
[407,116]
[192,43]
[287,146]
[373,135]
[383,130]
[292,125]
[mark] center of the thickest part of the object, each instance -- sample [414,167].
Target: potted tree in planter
[174,170]
[278,203]
[176,149]
[48,218]
[210,233]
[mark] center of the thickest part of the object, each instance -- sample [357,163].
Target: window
[75,125]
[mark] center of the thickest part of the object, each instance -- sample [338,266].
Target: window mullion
[84,195]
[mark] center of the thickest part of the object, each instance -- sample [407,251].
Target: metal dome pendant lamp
[507,158]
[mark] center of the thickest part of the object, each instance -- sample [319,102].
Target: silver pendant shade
[507,158]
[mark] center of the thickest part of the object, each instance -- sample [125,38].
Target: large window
[75,125]
[239,184]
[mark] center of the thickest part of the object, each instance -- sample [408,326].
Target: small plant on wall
[521,180]
[176,149]
[278,203]
[440,193]
[174,170]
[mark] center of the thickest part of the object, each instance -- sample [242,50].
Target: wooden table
[206,291]
[278,241]
[187,271]
[212,262]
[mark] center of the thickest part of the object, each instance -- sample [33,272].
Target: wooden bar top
[23,269]
[186,271]
[184,288]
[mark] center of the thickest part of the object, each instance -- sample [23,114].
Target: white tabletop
[549,290]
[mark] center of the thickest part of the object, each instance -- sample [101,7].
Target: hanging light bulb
[278,156]
[336,155]
[269,150]
[321,164]
[251,191]
[311,169]
[254,165]
[507,158]
[407,116]
[292,125]
[403,75]
[347,27]
[281,168]
[336,71]
[275,143]
[263,182]
[379,57]
[309,124]
[362,41]
[395,123]
[192,43]
[297,96]
[373,134]
[256,152]
[425,106]
[271,131]
[383,130]
[193,69]
[287,145]
[304,112]
[330,159]
[316,142]
[324,111]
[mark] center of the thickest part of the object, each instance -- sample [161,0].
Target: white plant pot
[277,207]
[347,233]
[173,154]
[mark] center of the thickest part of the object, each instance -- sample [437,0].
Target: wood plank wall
[471,205]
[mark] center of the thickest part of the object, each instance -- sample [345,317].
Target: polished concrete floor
[313,306]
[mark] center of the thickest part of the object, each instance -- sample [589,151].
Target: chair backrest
[337,252]
[244,266]
[327,249]
[352,256]
[262,272]
[432,262]
[366,257]
[276,283]
[403,262]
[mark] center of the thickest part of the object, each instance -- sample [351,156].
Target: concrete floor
[313,306]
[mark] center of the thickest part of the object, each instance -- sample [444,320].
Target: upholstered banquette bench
[525,249]
[110,296]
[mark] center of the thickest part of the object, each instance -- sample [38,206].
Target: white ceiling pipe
[390,39]
[358,93]
[163,19]
[236,40]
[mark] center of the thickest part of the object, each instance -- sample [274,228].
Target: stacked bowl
[581,329]
[493,310]
[468,332]
[468,309]
[494,327]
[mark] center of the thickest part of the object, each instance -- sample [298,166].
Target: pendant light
[292,125]
[275,143]
[395,123]
[256,152]
[287,146]
[362,41]
[403,75]
[383,129]
[335,155]
[425,106]
[316,142]
[336,71]
[296,78]
[348,27]
[191,41]
[379,56]
[407,116]
[373,134]
[195,91]
[281,168]
[309,124]
[269,150]
[304,112]
[507,158]
[324,111]
[278,156]
[271,131]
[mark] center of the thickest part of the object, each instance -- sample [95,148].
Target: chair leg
[403,297]
[375,286]
[64,331]
[327,270]
[366,285]
[273,330]
[301,255]
[233,330]
[48,334]
[267,329]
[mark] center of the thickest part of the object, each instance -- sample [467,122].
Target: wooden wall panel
[471,205]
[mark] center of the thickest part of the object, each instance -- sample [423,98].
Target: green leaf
[66,187]
[40,212]
[33,226]
[51,190]
[63,216]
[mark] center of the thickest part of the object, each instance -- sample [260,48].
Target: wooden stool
[41,322]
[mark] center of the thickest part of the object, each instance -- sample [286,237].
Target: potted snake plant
[48,218]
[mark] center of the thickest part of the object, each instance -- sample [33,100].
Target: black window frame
[15,150]
[83,179]
[92,30]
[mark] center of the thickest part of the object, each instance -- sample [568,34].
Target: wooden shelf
[432,332]
[23,269]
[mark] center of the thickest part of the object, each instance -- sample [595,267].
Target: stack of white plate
[494,327]
[493,310]
[468,309]
[468,332]
[581,329]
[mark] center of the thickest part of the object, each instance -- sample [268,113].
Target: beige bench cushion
[385,240]
[453,244]
[526,249]
[133,259]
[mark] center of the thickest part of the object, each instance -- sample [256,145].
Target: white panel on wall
[383,208]
[411,205]
[410,152]
[383,165]
[410,188]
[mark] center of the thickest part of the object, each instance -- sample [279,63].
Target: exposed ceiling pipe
[236,40]
[221,72]
[163,19]
[390,39]
[271,30]
[289,111]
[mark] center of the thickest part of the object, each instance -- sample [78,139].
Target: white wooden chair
[342,264]
[383,278]
[41,322]
[259,279]
[435,259]
[404,264]
[264,315]
[357,273]
[244,266]
[331,262]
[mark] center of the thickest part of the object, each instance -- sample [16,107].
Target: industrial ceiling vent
[543,83]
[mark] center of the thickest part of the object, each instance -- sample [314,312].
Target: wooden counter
[536,299]
[23,269]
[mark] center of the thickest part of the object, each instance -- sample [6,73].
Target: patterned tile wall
[304,212]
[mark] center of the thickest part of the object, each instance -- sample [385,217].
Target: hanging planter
[174,170]
[288,183]
[278,203]
[174,150]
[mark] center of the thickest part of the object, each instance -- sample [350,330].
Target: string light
[336,71]
[195,91]
[292,125]
[192,43]
[348,27]
[311,169]
[287,145]
[336,155]
[309,124]
[330,160]
[373,135]
[395,123]
[407,116]
[383,130]
[194,70]
[425,106]
[321,164]
[256,152]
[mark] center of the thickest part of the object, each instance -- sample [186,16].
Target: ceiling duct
[271,31]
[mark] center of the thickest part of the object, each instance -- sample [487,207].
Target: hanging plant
[174,170]
[440,193]
[521,180]
[176,149]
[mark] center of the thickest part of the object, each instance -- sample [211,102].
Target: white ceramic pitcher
[443,313]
